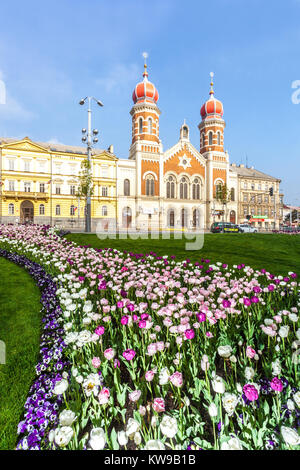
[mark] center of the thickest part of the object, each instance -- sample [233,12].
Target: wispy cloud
[119,77]
[10,107]
[54,140]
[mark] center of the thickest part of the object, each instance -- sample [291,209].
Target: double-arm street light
[89,137]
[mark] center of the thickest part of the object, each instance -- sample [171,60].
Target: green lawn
[278,254]
[20,324]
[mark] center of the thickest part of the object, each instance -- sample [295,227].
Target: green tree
[223,195]
[85,180]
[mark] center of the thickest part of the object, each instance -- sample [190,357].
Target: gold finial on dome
[212,84]
[145,55]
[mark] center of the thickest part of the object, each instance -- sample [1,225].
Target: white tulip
[296,398]
[133,426]
[60,387]
[154,445]
[225,351]
[212,410]
[295,355]
[97,439]
[249,373]
[67,418]
[122,438]
[229,401]
[154,421]
[63,436]
[293,317]
[164,376]
[137,438]
[290,405]
[233,444]
[168,426]
[218,384]
[283,331]
[51,435]
[276,368]
[290,436]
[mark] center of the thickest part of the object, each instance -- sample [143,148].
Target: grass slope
[279,254]
[20,324]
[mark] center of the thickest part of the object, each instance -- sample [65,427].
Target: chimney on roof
[233,164]
[242,165]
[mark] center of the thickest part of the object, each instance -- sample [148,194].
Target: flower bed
[155,354]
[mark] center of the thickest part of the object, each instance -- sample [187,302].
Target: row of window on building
[258,186]
[72,210]
[210,138]
[58,168]
[57,188]
[260,211]
[149,126]
[259,199]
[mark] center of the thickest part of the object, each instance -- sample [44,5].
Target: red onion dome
[145,90]
[212,106]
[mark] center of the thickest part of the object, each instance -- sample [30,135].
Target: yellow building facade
[39,184]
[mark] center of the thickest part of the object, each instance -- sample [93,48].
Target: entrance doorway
[26,212]
[232,217]
[126,217]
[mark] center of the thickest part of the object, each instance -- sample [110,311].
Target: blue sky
[52,53]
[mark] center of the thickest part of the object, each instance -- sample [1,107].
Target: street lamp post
[89,137]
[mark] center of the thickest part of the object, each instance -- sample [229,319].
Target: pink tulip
[103,396]
[176,379]
[96,362]
[250,352]
[158,405]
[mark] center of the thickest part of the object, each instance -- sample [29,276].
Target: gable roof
[53,147]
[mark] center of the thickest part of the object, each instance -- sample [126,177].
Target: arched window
[57,210]
[150,126]
[126,187]
[72,210]
[196,218]
[183,188]
[150,185]
[232,194]
[171,218]
[104,211]
[219,187]
[203,139]
[42,209]
[185,132]
[170,188]
[196,189]
[219,137]
[210,138]
[183,218]
[140,125]
[11,209]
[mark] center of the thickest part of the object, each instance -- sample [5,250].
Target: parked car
[289,229]
[224,227]
[247,228]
